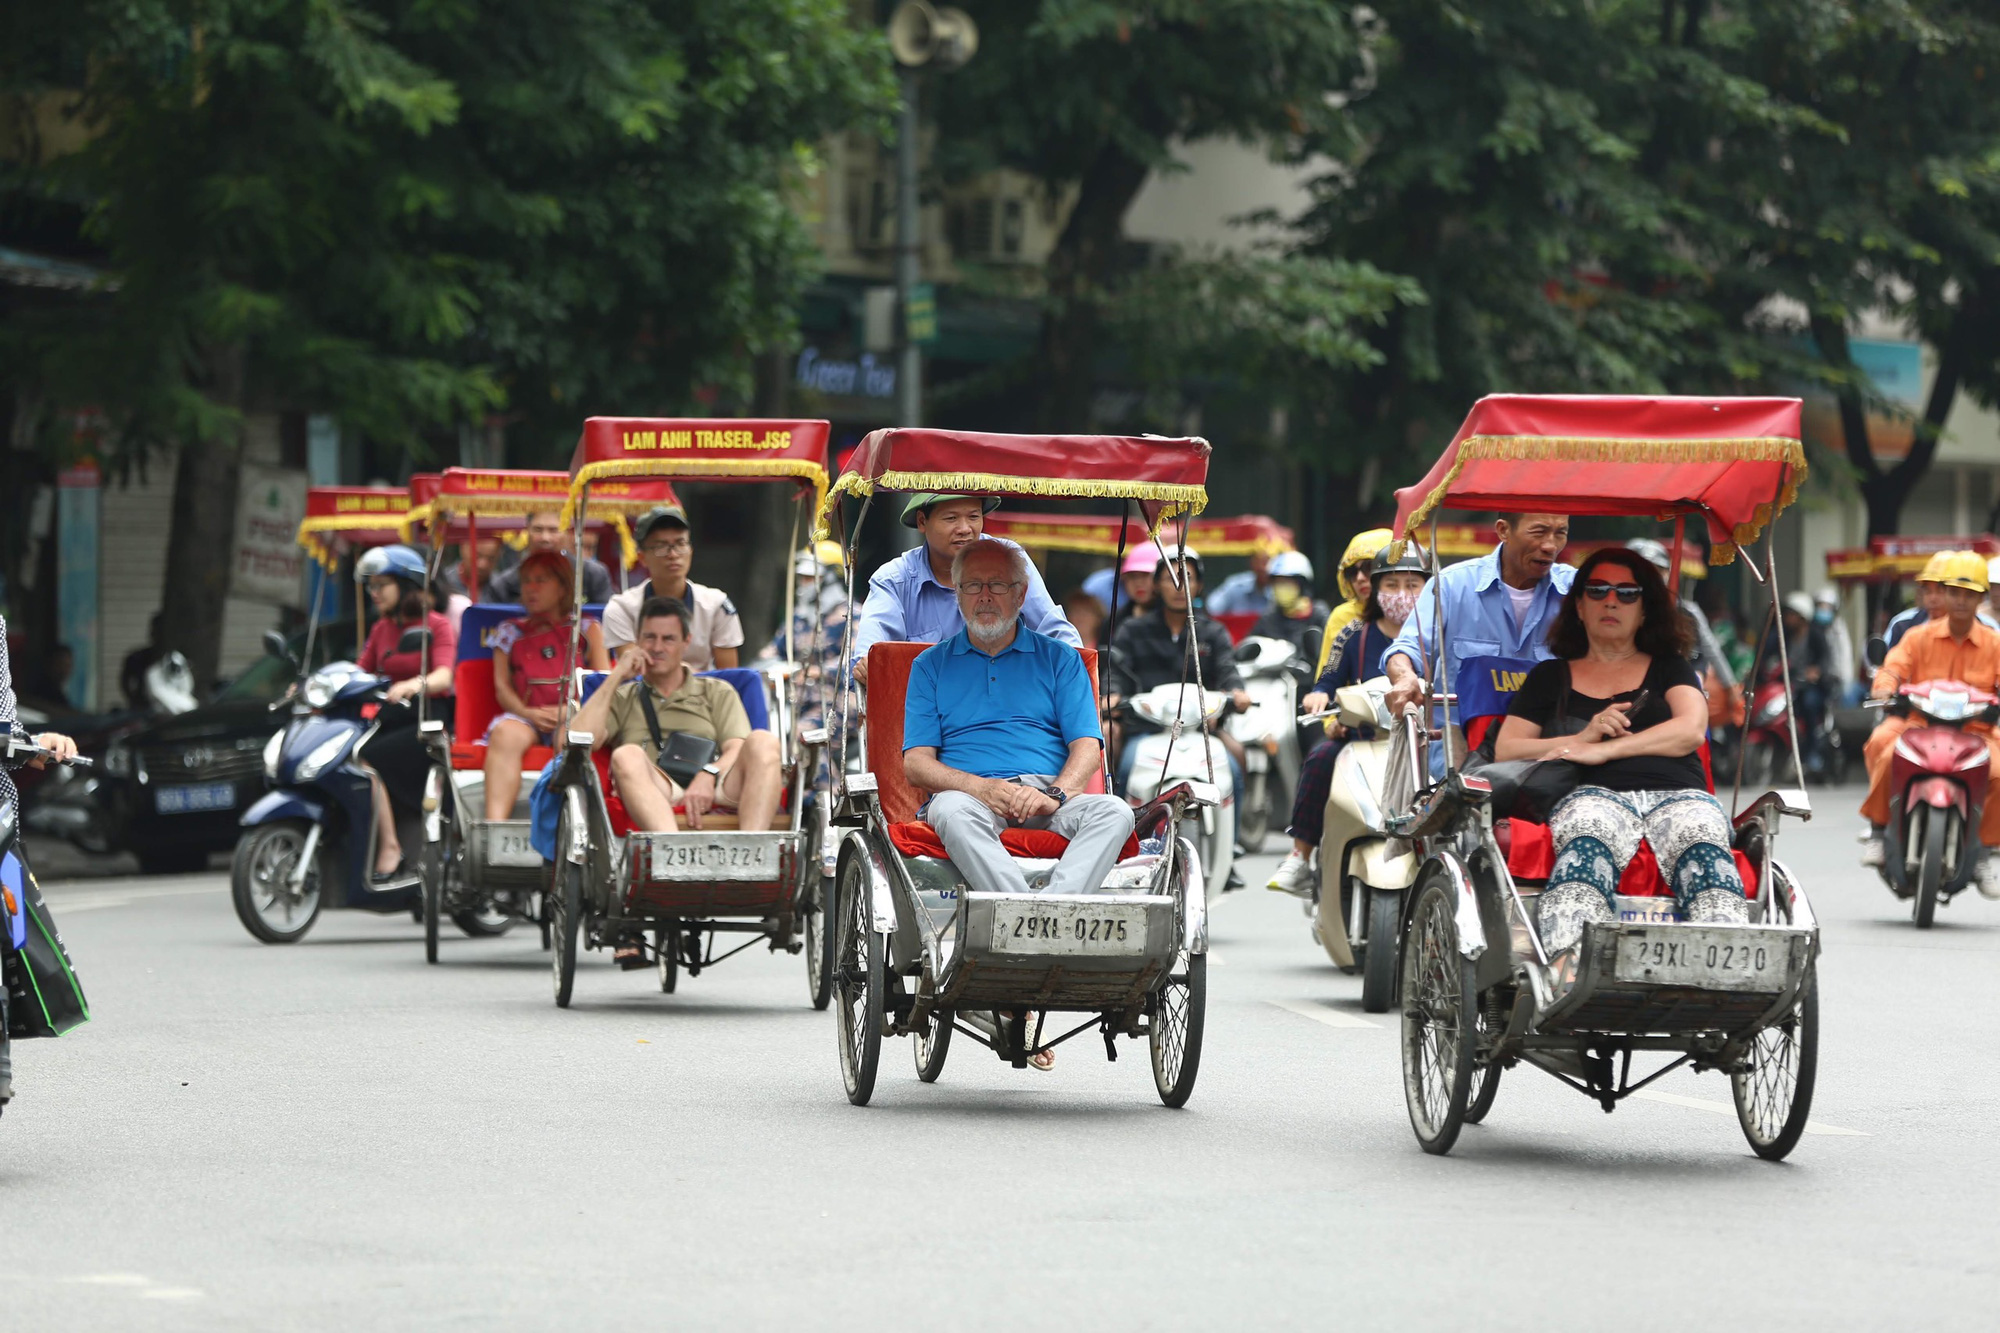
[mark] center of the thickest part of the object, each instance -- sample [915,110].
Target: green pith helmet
[925,499]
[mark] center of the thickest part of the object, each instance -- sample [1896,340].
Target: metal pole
[910,368]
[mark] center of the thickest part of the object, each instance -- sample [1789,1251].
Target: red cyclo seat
[916,838]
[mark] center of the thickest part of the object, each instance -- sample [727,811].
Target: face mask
[1398,606]
[1823,616]
[1287,595]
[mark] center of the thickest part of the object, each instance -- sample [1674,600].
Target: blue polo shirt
[1002,715]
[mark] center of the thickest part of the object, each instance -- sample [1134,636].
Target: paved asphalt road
[334,1135]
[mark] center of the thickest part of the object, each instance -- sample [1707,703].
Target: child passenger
[529,657]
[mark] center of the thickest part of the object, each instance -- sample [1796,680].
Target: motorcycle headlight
[272,749]
[323,754]
[1773,706]
[318,692]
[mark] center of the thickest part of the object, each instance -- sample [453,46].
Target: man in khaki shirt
[744,775]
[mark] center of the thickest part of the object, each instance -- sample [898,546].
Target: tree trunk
[1080,270]
[759,591]
[196,587]
[1886,491]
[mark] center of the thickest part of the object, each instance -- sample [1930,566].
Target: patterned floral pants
[1597,833]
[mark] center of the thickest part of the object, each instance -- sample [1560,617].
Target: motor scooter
[1938,777]
[1268,732]
[1161,760]
[313,834]
[39,993]
[1363,873]
[1767,744]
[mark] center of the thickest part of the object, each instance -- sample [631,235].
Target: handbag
[681,755]
[1531,789]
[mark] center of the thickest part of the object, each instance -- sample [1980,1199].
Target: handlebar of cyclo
[1325,713]
[18,749]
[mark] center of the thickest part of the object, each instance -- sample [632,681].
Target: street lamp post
[920,37]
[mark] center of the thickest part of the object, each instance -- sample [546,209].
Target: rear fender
[1379,867]
[858,846]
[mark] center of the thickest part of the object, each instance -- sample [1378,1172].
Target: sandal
[630,955]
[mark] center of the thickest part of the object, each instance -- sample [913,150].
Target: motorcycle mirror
[414,640]
[274,644]
[1243,651]
[1875,653]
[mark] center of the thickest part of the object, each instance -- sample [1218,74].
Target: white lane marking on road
[110,1279]
[1726,1108]
[1320,1013]
[173,1293]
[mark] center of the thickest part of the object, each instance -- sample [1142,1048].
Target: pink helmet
[1143,559]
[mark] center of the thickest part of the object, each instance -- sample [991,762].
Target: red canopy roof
[701,449]
[1249,534]
[1736,461]
[363,515]
[1165,475]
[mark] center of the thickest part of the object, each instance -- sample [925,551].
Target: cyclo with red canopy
[674,896]
[483,874]
[1478,993]
[918,953]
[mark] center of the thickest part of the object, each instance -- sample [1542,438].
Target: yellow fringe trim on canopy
[423,513]
[1174,497]
[1538,448]
[311,529]
[677,468]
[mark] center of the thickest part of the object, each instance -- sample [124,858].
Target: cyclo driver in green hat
[912,599]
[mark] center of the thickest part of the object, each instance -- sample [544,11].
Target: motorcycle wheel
[484,922]
[1932,873]
[1378,959]
[1254,819]
[264,859]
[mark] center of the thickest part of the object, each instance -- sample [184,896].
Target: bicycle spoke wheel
[1774,1095]
[1438,1021]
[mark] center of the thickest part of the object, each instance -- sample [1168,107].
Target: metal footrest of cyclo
[1058,951]
[692,873]
[1671,978]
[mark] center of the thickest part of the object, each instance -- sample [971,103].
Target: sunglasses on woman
[1628,593]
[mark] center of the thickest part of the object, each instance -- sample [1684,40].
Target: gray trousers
[1095,825]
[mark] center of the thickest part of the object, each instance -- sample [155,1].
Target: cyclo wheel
[566,915]
[1774,1095]
[861,981]
[1438,1020]
[816,906]
[1181,1009]
[1924,909]
[931,1047]
[436,864]
[1378,963]
[1485,1077]
[667,948]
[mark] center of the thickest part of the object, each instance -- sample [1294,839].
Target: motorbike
[1766,738]
[1938,776]
[39,992]
[1161,760]
[1364,875]
[312,834]
[1273,673]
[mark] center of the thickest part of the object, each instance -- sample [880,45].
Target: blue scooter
[312,835]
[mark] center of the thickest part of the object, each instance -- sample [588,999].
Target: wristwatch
[712,770]
[1056,794]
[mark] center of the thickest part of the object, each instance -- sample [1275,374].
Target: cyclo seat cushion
[888,689]
[916,838]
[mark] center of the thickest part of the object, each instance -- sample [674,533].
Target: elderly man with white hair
[1001,728]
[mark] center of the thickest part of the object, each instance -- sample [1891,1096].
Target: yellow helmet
[1959,569]
[1933,565]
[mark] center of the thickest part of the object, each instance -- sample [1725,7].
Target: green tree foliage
[1665,195]
[414,213]
[1090,98]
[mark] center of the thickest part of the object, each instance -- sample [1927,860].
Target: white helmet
[1290,565]
[1800,604]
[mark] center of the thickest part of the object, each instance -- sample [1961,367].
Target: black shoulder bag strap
[652,718]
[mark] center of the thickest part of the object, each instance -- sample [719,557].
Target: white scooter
[1160,761]
[1363,873]
[1269,734]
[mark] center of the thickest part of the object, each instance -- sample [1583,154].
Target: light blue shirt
[1479,619]
[999,715]
[907,604]
[1239,595]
